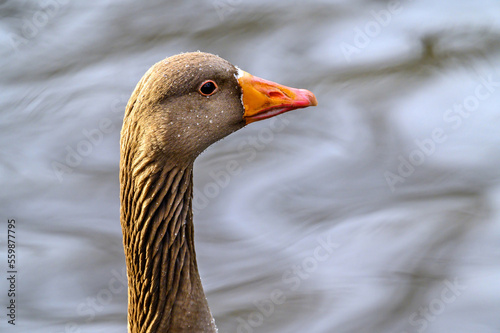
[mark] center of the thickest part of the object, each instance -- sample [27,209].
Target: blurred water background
[376,211]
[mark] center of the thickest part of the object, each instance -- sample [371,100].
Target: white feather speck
[239,73]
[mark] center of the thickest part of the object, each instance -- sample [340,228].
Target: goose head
[186,102]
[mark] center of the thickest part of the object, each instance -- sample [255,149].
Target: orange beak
[265,99]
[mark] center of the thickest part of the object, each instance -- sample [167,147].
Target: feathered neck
[165,290]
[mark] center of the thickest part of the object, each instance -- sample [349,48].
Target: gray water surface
[376,211]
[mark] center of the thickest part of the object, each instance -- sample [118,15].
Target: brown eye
[208,88]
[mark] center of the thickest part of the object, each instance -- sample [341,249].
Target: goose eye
[207,88]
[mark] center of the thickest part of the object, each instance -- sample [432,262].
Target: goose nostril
[276,94]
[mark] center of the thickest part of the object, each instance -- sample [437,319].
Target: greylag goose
[181,106]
